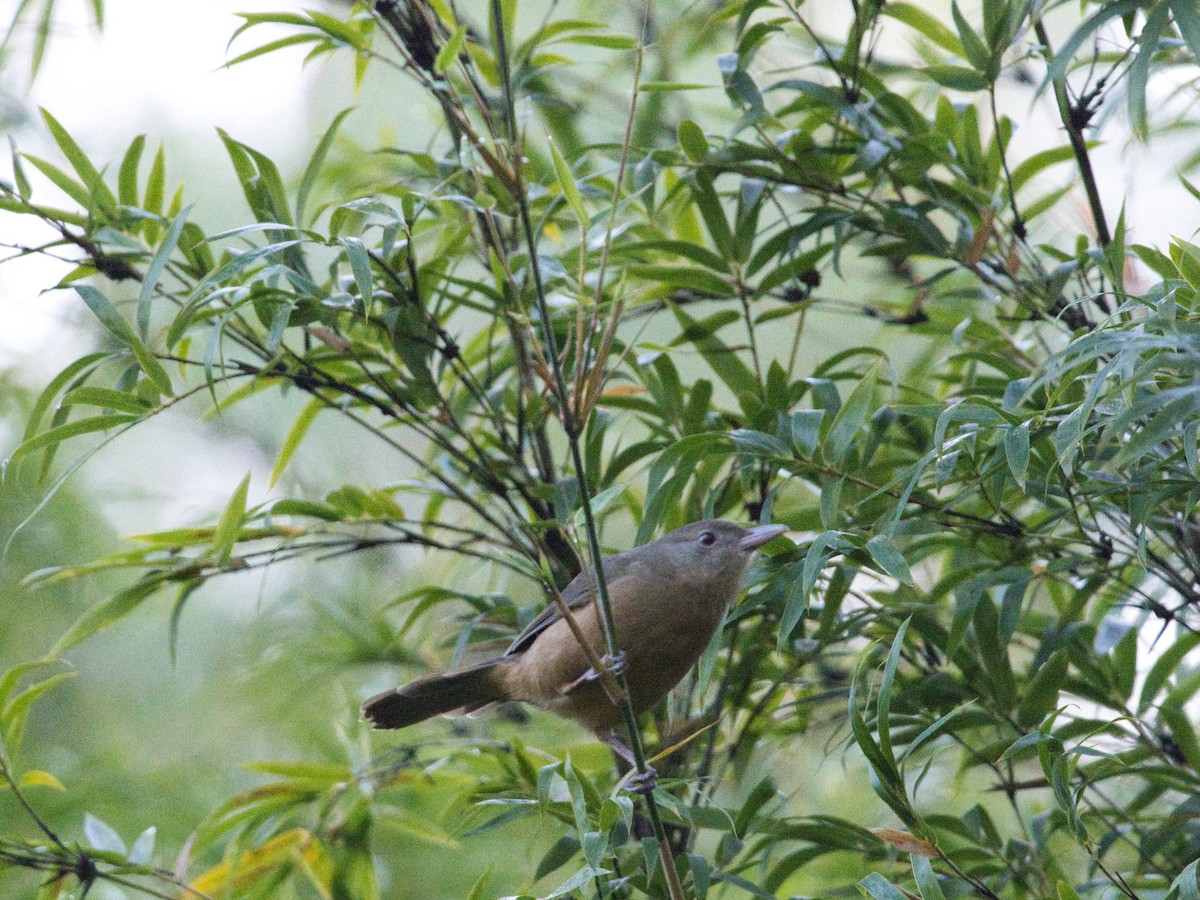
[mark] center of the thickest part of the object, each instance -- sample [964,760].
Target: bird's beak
[759,535]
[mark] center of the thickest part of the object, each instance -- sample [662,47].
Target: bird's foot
[613,665]
[642,782]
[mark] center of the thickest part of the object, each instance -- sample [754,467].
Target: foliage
[550,321]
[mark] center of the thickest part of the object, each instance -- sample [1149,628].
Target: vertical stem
[572,429]
[1083,160]
[750,330]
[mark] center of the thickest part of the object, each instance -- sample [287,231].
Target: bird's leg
[639,782]
[614,665]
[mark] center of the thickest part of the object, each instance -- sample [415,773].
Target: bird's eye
[707,538]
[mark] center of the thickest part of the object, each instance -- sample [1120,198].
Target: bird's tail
[469,688]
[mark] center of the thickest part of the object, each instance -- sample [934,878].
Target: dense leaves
[987,458]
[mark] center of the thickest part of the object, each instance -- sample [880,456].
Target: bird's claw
[613,665]
[642,782]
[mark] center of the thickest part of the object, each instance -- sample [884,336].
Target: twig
[1074,122]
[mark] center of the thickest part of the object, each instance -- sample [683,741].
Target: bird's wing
[577,595]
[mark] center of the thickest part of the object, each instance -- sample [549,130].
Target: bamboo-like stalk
[572,427]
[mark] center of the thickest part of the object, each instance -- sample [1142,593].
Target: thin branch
[1074,119]
[572,429]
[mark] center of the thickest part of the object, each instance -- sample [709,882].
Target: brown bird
[668,598]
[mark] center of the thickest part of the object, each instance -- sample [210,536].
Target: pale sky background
[157,70]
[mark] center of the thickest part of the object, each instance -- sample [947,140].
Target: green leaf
[566,181]
[926,878]
[795,606]
[103,309]
[883,704]
[743,885]
[713,213]
[294,436]
[16,711]
[693,141]
[925,23]
[236,266]
[889,558]
[806,430]
[608,41]
[360,266]
[793,268]
[1183,733]
[1062,59]
[479,890]
[650,87]
[683,455]
[993,648]
[701,874]
[77,370]
[127,177]
[1157,261]
[1187,18]
[1038,162]
[758,443]
[557,856]
[450,50]
[260,180]
[230,525]
[327,774]
[38,778]
[60,433]
[976,51]
[315,162]
[106,398]
[1164,667]
[290,40]
[307,508]
[876,887]
[103,616]
[20,177]
[61,180]
[1139,69]
[956,77]
[724,362]
[1187,884]
[1016,451]
[758,797]
[696,253]
[186,589]
[99,193]
[583,877]
[1040,696]
[686,278]
[850,418]
[818,553]
[154,272]
[156,184]
[13,677]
